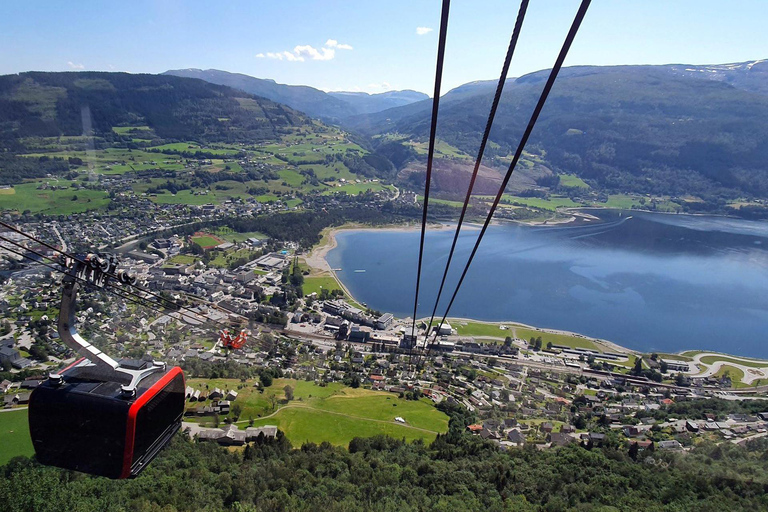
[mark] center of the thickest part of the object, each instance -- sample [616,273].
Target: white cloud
[423,30]
[313,53]
[382,87]
[332,43]
[301,53]
[282,56]
[72,65]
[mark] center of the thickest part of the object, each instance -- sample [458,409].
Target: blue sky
[366,45]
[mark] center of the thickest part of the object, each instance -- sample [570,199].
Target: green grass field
[182,259]
[27,196]
[302,424]
[734,373]
[432,200]
[334,413]
[552,203]
[205,241]
[491,330]
[571,180]
[675,357]
[316,284]
[14,436]
[230,235]
[122,130]
[744,362]
[620,201]
[225,258]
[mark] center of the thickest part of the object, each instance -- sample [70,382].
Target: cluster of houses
[231,435]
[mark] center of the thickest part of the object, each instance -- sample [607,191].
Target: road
[16,409]
[61,238]
[751,373]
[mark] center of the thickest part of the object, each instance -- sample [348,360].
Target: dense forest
[455,472]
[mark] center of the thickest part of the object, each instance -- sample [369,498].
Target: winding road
[751,373]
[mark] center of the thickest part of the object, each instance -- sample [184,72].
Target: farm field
[14,435]
[307,160]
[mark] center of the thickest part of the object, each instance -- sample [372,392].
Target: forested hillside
[64,104]
[383,474]
[673,130]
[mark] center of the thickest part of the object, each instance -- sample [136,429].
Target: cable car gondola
[100,416]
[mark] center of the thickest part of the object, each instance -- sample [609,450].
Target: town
[519,391]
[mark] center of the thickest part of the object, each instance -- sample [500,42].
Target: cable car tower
[98,415]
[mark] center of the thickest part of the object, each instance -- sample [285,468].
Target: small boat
[359,271]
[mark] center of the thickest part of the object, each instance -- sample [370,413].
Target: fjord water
[650,282]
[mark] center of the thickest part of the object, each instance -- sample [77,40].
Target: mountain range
[324,105]
[676,129]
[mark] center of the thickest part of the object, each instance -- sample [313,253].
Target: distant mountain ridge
[672,130]
[316,103]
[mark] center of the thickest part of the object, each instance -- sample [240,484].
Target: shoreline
[316,260]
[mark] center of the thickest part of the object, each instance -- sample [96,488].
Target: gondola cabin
[82,422]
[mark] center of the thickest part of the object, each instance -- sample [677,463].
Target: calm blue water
[651,282]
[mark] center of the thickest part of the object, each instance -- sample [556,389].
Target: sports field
[206,241]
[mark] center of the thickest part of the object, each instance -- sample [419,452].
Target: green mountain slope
[676,130]
[65,104]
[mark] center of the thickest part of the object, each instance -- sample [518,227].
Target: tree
[508,341]
[237,410]
[288,392]
[266,379]
[273,402]
[638,369]
[663,366]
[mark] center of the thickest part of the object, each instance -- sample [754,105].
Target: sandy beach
[316,258]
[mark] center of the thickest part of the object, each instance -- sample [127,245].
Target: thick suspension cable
[494,106]
[431,152]
[124,293]
[168,303]
[524,139]
[55,269]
